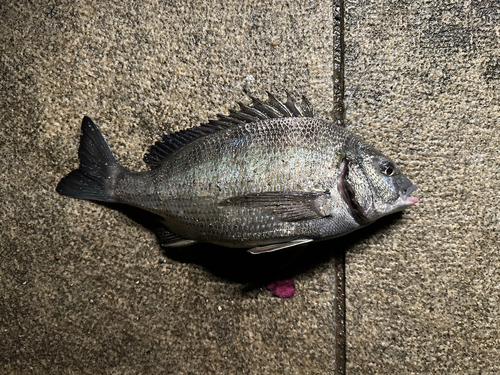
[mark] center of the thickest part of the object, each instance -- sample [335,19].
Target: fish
[267,177]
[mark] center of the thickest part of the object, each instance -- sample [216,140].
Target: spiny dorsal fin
[258,111]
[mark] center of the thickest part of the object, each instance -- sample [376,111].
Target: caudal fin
[98,168]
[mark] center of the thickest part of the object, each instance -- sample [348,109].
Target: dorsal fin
[258,111]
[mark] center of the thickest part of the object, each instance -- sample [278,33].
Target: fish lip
[407,198]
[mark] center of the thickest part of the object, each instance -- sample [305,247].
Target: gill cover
[349,195]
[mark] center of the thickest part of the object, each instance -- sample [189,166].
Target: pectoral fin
[288,206]
[278,246]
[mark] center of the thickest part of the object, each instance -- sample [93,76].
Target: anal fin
[278,246]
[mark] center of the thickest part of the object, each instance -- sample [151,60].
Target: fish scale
[215,165]
[266,178]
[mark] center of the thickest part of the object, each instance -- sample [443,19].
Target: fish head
[390,189]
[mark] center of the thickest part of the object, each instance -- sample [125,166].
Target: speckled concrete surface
[422,80]
[85,289]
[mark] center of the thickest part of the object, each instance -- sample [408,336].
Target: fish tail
[98,170]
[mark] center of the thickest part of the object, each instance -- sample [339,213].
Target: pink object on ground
[282,288]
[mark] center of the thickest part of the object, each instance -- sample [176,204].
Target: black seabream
[266,177]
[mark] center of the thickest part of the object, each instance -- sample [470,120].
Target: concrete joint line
[339,113]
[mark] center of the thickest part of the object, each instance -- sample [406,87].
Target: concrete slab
[422,81]
[85,289]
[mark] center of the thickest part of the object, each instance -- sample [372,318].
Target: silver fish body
[264,183]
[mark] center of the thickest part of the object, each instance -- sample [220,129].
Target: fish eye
[388,169]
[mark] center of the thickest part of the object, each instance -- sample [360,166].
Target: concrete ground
[87,289]
[423,82]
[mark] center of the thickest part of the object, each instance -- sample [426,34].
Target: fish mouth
[406,195]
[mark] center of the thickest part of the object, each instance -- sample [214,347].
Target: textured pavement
[422,80]
[86,289]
